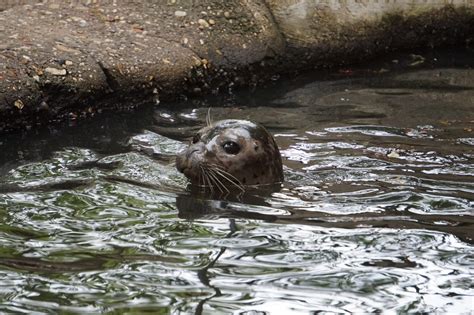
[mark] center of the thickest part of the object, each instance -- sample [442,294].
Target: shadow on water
[376,211]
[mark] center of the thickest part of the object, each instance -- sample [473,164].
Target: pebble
[43,106]
[179,13]
[55,71]
[197,62]
[203,23]
[19,104]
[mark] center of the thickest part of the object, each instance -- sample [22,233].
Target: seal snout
[187,160]
[180,163]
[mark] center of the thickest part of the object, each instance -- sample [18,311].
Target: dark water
[376,213]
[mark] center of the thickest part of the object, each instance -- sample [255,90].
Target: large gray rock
[73,58]
[340,31]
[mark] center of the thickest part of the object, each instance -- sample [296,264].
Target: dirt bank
[71,59]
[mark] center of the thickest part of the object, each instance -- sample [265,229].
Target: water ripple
[375,215]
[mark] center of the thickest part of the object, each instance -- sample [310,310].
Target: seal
[231,154]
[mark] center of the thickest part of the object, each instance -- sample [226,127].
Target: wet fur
[205,162]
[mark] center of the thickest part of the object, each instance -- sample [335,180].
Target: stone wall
[340,31]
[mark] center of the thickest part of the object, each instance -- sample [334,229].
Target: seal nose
[185,159]
[197,147]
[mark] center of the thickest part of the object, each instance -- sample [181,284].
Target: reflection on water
[376,212]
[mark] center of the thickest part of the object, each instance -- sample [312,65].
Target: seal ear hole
[231,147]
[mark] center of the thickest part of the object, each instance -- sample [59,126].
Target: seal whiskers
[229,177]
[206,179]
[217,181]
[201,176]
[213,180]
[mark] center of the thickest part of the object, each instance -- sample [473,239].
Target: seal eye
[196,138]
[231,147]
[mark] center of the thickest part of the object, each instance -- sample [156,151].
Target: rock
[19,104]
[54,71]
[179,13]
[43,106]
[111,55]
[203,23]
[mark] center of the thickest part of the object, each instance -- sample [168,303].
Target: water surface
[376,213]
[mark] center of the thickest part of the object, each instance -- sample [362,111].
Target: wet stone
[54,71]
[203,23]
[19,104]
[179,13]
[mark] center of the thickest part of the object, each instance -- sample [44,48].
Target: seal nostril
[188,154]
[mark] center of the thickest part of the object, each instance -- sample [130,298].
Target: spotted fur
[205,162]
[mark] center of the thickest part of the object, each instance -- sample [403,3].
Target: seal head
[231,153]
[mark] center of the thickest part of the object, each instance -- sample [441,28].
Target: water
[376,213]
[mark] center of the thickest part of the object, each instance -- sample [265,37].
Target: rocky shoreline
[71,59]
